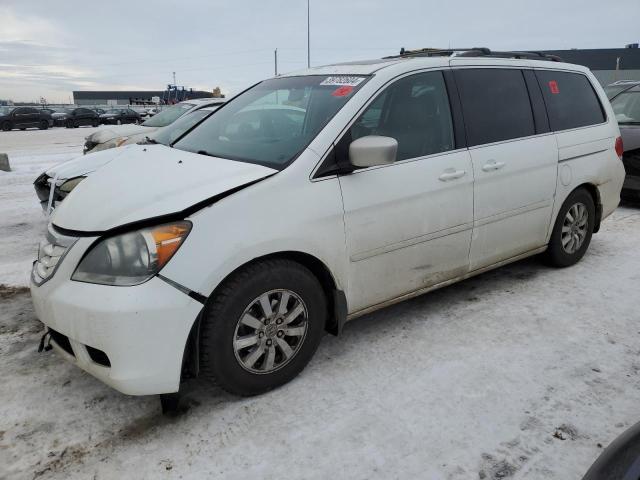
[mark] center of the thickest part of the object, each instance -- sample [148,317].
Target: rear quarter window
[570,99]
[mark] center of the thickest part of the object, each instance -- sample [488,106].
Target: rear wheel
[44,125]
[573,229]
[262,327]
[95,123]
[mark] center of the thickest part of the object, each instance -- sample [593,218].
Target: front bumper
[142,330]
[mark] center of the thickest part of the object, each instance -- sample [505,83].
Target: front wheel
[573,229]
[262,327]
[6,126]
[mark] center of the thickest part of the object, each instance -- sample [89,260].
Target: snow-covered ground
[22,221]
[525,372]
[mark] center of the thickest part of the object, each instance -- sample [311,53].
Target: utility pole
[275,60]
[308,37]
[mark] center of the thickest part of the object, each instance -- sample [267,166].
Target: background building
[607,64]
[137,97]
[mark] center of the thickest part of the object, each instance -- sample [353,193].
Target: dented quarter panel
[278,214]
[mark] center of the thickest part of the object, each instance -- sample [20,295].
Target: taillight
[619,147]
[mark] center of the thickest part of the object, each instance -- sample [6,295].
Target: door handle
[492,165]
[451,175]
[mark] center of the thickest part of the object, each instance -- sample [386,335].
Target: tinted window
[570,99]
[415,111]
[495,105]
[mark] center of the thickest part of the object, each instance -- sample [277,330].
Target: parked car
[23,118]
[118,136]
[230,253]
[626,106]
[620,460]
[53,185]
[120,116]
[76,117]
[99,111]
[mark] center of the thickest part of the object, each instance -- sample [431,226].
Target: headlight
[121,140]
[69,185]
[132,258]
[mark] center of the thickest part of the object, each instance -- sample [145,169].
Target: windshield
[626,107]
[271,123]
[613,90]
[168,115]
[169,134]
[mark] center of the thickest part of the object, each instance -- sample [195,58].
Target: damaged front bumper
[131,338]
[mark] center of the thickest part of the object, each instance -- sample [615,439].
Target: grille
[50,253]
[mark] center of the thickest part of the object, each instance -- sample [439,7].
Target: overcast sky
[50,48]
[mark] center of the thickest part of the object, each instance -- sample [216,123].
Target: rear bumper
[142,330]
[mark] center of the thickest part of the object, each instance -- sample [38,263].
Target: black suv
[23,118]
[76,117]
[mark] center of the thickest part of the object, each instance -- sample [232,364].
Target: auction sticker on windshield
[343,81]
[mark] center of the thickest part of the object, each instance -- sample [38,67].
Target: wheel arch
[336,303]
[597,202]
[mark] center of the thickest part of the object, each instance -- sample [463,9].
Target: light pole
[308,37]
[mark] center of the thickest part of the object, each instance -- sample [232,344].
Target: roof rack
[474,52]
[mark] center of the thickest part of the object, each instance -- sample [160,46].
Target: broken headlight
[69,185]
[131,258]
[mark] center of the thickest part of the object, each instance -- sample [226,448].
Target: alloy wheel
[270,331]
[574,228]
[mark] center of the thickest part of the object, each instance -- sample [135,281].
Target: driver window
[415,111]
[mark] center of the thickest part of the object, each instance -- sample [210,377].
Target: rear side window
[495,105]
[570,99]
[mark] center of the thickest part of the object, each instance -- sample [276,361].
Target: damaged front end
[52,190]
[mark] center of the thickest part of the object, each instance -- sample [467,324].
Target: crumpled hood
[83,165]
[146,181]
[117,131]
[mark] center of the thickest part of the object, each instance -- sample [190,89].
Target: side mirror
[373,150]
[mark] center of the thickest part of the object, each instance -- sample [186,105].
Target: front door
[408,224]
[515,164]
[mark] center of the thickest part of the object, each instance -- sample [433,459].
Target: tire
[6,127]
[23,128]
[562,252]
[118,122]
[225,363]
[95,123]
[44,125]
[69,124]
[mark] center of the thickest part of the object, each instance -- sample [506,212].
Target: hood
[106,134]
[146,181]
[81,166]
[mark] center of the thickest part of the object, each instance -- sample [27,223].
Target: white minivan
[315,197]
